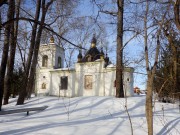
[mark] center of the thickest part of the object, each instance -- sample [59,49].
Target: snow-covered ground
[89,116]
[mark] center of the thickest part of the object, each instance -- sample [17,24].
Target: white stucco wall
[48,50]
[109,81]
[53,51]
[42,76]
[95,69]
[56,83]
[103,78]
[128,81]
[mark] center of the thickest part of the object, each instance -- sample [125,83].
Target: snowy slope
[89,116]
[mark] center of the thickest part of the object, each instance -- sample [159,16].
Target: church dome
[80,55]
[92,55]
[106,59]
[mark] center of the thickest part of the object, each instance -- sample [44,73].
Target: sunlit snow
[89,116]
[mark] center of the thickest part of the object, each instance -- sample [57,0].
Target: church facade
[92,75]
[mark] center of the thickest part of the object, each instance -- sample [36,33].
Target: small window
[59,62]
[88,82]
[43,86]
[128,80]
[64,83]
[45,61]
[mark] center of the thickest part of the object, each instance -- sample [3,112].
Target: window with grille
[64,83]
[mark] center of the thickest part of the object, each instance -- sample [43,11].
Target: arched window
[59,62]
[43,86]
[88,58]
[45,61]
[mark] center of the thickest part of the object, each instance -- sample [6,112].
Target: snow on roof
[111,65]
[98,60]
[62,69]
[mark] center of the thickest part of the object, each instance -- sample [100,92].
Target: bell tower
[51,56]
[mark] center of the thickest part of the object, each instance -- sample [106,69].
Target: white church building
[92,75]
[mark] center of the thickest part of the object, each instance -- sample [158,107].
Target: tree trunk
[175,67]
[34,61]
[119,52]
[177,22]
[36,50]
[29,85]
[177,14]
[10,64]
[151,72]
[23,91]
[5,51]
[149,112]
[0,25]
[174,47]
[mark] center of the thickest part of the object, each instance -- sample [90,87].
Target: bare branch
[46,26]
[109,12]
[2,2]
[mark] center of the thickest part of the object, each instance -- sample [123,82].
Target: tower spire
[51,40]
[102,54]
[93,41]
[80,54]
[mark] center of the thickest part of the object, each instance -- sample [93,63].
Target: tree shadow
[76,122]
[169,126]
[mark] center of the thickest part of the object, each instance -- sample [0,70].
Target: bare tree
[11,58]
[31,72]
[174,47]
[38,24]
[151,70]
[5,49]
[23,92]
[119,38]
[119,51]
[177,13]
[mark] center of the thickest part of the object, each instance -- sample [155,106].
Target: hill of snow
[89,116]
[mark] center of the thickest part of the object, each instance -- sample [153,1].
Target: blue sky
[132,51]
